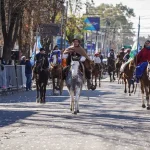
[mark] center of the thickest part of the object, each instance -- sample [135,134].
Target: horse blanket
[140,69]
[55,57]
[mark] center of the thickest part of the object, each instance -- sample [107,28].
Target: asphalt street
[109,120]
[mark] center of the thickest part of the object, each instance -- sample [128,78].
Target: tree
[118,17]
[11,15]
[75,24]
[20,19]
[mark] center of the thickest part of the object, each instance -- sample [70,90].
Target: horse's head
[132,65]
[75,65]
[40,65]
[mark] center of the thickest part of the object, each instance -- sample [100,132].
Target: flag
[39,42]
[134,50]
[33,54]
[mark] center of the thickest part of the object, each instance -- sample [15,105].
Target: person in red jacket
[144,54]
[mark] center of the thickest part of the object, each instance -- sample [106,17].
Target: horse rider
[122,54]
[76,48]
[144,54]
[97,60]
[38,58]
[143,57]
[127,55]
[111,54]
[55,57]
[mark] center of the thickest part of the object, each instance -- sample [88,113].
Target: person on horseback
[127,55]
[142,60]
[144,54]
[122,54]
[97,60]
[111,54]
[55,57]
[38,58]
[79,52]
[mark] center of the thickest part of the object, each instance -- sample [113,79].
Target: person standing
[28,74]
[23,60]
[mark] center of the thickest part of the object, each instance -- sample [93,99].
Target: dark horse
[41,76]
[111,68]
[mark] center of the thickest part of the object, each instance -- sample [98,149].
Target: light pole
[62,22]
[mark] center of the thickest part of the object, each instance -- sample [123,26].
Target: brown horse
[56,74]
[145,86]
[118,65]
[96,74]
[127,76]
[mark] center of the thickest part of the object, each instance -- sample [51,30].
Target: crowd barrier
[8,77]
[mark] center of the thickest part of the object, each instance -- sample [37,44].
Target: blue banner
[92,23]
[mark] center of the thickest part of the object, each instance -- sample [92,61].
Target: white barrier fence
[8,76]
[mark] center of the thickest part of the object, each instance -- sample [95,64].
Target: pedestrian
[23,60]
[28,74]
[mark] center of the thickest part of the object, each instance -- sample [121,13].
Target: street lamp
[62,21]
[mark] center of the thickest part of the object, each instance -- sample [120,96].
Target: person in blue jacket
[28,74]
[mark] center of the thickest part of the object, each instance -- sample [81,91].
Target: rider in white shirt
[111,54]
[97,59]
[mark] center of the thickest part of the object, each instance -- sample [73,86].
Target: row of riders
[76,67]
[136,70]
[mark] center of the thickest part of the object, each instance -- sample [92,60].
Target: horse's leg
[147,97]
[110,76]
[72,101]
[142,90]
[92,79]
[95,80]
[100,79]
[37,90]
[133,86]
[41,92]
[125,85]
[77,95]
[129,86]
[114,75]
[53,80]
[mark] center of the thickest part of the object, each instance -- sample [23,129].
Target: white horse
[74,82]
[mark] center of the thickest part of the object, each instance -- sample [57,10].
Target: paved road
[110,120]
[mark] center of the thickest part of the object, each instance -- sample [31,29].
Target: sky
[141,8]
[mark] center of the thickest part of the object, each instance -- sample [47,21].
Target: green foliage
[117,16]
[75,28]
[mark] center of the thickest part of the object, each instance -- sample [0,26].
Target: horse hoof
[78,111]
[143,106]
[148,108]
[129,94]
[75,113]
[70,109]
[125,91]
[37,100]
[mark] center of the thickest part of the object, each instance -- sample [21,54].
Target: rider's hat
[122,48]
[111,49]
[96,54]
[42,49]
[76,39]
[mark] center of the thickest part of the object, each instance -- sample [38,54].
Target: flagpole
[138,34]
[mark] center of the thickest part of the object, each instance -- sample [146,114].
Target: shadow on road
[10,117]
